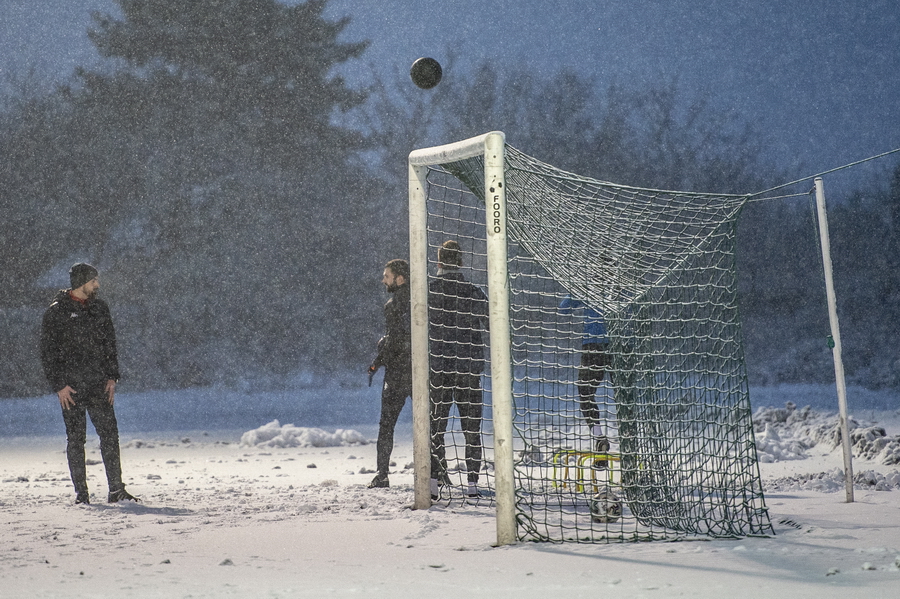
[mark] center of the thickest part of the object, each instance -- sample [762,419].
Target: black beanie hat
[81,273]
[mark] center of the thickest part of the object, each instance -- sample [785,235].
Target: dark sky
[820,77]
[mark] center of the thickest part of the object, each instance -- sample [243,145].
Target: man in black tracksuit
[80,360]
[394,354]
[457,315]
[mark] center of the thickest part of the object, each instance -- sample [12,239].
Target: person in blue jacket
[595,360]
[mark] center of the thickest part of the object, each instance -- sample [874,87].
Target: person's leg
[441,400]
[594,362]
[76,435]
[470,404]
[590,375]
[393,397]
[103,416]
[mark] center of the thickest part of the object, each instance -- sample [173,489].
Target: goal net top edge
[454,152]
[475,146]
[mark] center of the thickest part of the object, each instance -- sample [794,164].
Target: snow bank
[833,481]
[787,433]
[771,447]
[274,434]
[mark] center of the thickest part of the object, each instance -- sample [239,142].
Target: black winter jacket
[78,343]
[457,315]
[394,349]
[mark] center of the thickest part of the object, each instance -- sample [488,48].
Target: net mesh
[632,412]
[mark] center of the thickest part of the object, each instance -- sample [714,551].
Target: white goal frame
[492,146]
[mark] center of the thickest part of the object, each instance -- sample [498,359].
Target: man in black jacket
[394,355]
[457,315]
[80,360]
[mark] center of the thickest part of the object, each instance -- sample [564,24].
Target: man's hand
[111,391]
[65,397]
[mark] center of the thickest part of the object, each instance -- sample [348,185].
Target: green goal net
[630,402]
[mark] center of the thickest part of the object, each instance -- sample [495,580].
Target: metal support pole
[836,337]
[501,358]
[418,290]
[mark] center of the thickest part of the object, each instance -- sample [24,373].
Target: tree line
[241,198]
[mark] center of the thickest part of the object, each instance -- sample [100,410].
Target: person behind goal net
[595,359]
[457,315]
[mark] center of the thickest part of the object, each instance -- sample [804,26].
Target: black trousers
[464,390]
[92,401]
[594,362]
[393,397]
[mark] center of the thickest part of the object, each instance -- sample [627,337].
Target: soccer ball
[606,507]
[426,72]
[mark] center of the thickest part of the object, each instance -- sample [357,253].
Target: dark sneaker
[380,481]
[601,445]
[121,495]
[82,497]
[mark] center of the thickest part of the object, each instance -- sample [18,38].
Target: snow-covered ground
[281,510]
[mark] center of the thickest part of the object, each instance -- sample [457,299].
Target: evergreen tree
[231,183]
[261,68]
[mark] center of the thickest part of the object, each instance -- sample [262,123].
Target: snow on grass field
[293,518]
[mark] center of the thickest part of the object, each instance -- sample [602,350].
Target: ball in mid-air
[426,72]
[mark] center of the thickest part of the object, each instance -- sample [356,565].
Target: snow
[805,428]
[282,510]
[274,434]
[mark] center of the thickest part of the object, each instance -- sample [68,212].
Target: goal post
[616,403]
[490,147]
